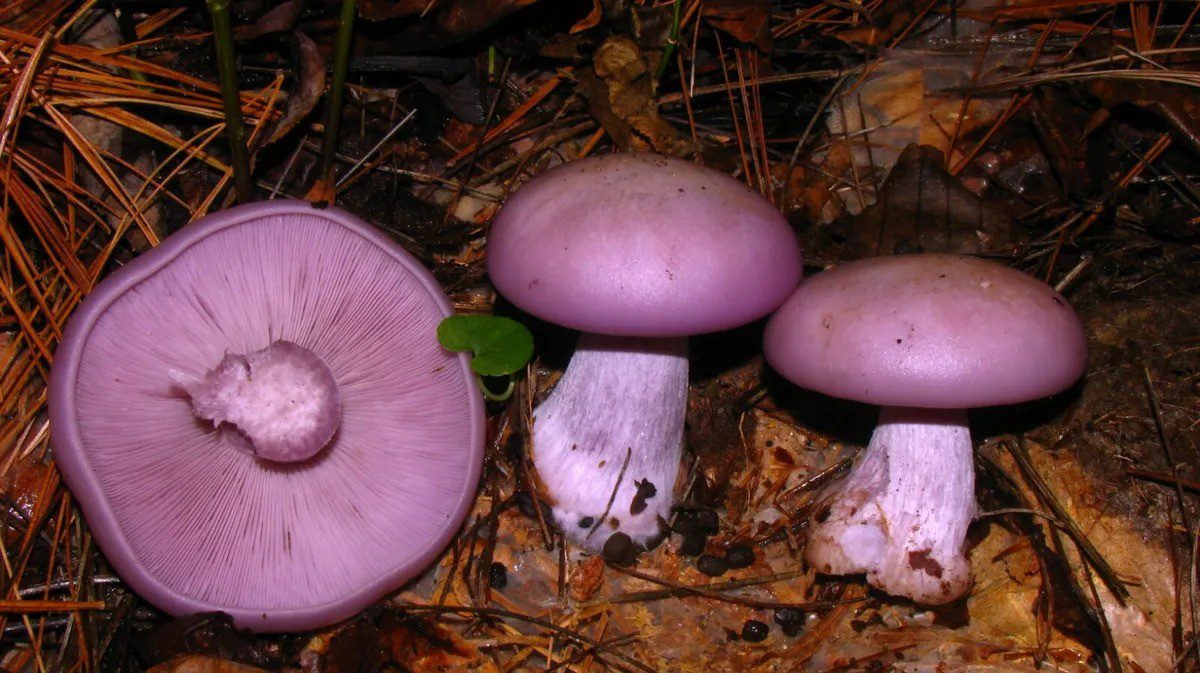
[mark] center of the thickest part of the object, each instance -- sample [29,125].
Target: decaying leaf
[392,640]
[621,93]
[746,20]
[1141,628]
[1175,106]
[919,208]
[201,637]
[310,86]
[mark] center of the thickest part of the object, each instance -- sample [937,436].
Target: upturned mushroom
[256,417]
[926,337]
[637,251]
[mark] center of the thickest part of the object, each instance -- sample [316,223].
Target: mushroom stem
[607,441]
[282,398]
[901,515]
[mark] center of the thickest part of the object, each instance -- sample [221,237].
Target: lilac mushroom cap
[256,417]
[642,245]
[926,337]
[638,251]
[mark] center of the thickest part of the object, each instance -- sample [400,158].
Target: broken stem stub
[283,399]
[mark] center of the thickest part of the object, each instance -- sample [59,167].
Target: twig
[658,594]
[23,606]
[736,600]
[1186,484]
[1017,450]
[612,498]
[507,614]
[388,136]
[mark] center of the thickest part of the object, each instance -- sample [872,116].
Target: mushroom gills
[608,439]
[901,515]
[283,399]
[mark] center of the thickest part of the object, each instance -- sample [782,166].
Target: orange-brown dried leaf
[422,646]
[586,578]
[23,489]
[591,20]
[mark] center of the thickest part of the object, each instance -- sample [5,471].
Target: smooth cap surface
[642,245]
[183,510]
[933,331]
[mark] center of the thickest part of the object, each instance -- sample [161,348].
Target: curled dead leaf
[591,20]
[621,94]
[310,86]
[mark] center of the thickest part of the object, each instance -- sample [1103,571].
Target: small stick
[1089,552]
[736,600]
[657,594]
[22,607]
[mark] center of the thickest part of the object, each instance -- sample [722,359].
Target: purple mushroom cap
[256,417]
[931,331]
[642,245]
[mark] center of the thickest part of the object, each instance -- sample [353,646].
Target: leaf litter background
[1058,136]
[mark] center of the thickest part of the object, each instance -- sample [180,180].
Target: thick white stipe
[901,515]
[616,415]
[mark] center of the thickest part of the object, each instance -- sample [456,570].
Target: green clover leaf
[500,346]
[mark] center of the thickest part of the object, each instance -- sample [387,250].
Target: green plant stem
[227,75]
[497,397]
[333,113]
[672,42]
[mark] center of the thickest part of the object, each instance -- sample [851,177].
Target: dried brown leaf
[746,20]
[920,208]
[310,85]
[278,19]
[621,94]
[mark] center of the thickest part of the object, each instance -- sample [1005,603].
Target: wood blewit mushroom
[638,251]
[256,417]
[926,337]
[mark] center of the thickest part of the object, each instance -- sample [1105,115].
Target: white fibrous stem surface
[607,441]
[282,398]
[901,515]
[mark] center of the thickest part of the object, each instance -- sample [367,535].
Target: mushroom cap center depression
[283,398]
